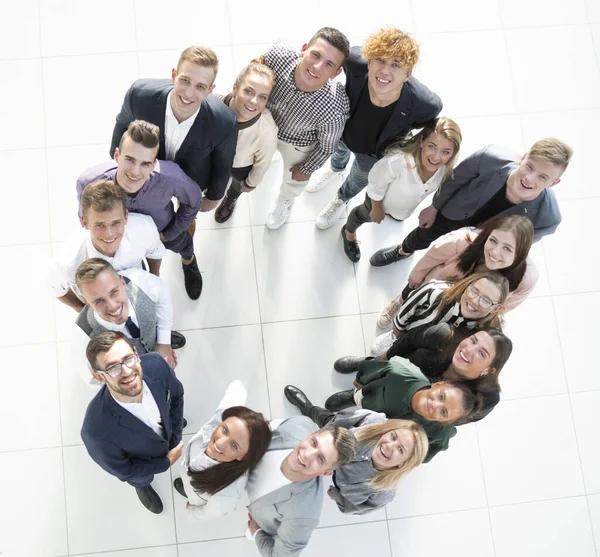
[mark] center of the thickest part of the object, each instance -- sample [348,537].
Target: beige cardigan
[441,263]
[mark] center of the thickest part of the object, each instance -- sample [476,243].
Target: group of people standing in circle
[436,364]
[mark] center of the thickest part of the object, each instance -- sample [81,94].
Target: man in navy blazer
[386,104]
[132,427]
[492,181]
[197,131]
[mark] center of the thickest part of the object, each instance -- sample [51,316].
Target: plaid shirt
[305,118]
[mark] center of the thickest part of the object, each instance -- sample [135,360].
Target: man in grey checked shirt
[309,109]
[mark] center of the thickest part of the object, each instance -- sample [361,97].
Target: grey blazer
[479,177]
[289,514]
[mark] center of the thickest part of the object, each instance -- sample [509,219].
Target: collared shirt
[140,240]
[166,181]
[175,133]
[146,411]
[156,289]
[305,118]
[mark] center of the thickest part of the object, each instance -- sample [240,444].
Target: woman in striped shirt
[474,301]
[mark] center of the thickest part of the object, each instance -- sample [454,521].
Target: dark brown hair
[472,402]
[103,195]
[89,270]
[145,133]
[215,478]
[335,38]
[103,343]
[522,229]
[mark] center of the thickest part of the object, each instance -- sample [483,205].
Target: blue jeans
[358,178]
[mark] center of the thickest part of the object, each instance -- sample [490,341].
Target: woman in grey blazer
[387,451]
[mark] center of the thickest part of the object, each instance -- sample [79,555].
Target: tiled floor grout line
[121,550]
[487,503]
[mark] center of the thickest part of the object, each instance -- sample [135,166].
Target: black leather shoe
[350,247]
[150,499]
[192,279]
[387,256]
[347,364]
[225,209]
[184,423]
[177,340]
[178,485]
[298,399]
[341,400]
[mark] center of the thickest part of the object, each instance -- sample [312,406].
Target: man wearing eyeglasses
[132,427]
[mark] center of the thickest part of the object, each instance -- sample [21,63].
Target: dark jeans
[359,173]
[141,482]
[421,238]
[237,176]
[182,244]
[359,215]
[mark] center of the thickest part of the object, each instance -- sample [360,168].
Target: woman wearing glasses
[474,301]
[217,460]
[501,244]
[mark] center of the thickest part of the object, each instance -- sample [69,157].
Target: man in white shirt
[112,234]
[285,490]
[132,302]
[133,426]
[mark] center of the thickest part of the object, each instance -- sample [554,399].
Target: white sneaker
[382,343]
[322,178]
[388,313]
[331,213]
[279,215]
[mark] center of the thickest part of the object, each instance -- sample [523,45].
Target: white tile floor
[280,306]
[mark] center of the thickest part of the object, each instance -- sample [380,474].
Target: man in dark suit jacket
[492,181]
[386,103]
[197,131]
[132,427]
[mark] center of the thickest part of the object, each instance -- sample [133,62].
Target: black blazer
[206,154]
[123,445]
[416,106]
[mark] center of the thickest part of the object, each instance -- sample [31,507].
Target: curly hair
[391,43]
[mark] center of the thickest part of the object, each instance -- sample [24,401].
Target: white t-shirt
[175,133]
[146,411]
[140,240]
[267,476]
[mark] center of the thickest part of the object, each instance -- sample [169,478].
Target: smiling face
[386,77]
[230,441]
[436,151]
[314,456]
[393,449]
[499,250]
[106,229]
[251,98]
[477,295]
[129,382]
[107,296]
[531,178]
[192,84]
[319,62]
[474,356]
[440,403]
[135,163]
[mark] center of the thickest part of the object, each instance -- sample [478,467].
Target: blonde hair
[256,66]
[369,435]
[344,441]
[201,55]
[445,127]
[103,195]
[392,44]
[552,151]
[89,270]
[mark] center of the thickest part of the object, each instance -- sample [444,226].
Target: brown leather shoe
[225,209]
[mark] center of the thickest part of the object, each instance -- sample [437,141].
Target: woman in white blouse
[406,175]
[217,460]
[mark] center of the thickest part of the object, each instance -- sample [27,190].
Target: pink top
[441,263]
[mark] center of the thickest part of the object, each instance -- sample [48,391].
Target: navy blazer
[479,177]
[122,444]
[206,154]
[416,106]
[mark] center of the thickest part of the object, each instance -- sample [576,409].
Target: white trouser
[291,155]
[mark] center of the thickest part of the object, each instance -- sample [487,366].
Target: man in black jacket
[386,103]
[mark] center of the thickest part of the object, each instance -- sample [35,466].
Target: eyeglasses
[483,301]
[116,369]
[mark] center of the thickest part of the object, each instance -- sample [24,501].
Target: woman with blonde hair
[257,133]
[387,451]
[475,301]
[407,174]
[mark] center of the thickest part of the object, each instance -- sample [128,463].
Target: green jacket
[389,387]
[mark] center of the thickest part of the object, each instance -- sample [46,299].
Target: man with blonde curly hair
[386,103]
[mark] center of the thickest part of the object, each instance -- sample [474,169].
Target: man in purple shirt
[150,184]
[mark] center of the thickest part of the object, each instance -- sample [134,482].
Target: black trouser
[359,215]
[319,415]
[238,175]
[182,244]
[421,238]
